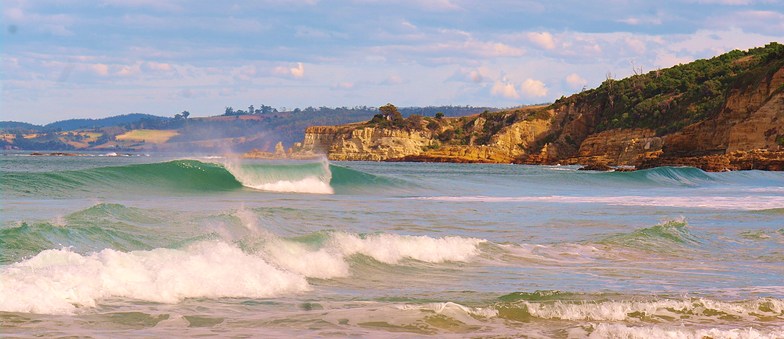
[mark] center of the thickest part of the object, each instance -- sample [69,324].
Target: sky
[66,59]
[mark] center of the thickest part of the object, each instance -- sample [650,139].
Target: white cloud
[635,44]
[542,39]
[471,75]
[475,75]
[575,81]
[100,69]
[393,79]
[770,22]
[407,24]
[667,59]
[505,88]
[296,72]
[157,66]
[128,70]
[645,20]
[344,85]
[533,88]
[161,5]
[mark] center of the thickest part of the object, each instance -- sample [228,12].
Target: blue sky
[70,58]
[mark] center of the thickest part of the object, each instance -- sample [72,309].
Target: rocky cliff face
[742,127]
[618,147]
[365,143]
[752,118]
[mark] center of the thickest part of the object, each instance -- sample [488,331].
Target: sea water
[172,246]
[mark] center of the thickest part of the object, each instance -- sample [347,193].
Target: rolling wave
[183,176]
[663,176]
[662,237]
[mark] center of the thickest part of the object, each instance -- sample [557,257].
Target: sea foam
[633,332]
[60,281]
[331,259]
[756,202]
[662,309]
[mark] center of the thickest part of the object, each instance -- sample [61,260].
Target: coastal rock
[365,143]
[619,146]
[741,126]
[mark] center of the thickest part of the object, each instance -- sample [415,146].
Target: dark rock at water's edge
[596,167]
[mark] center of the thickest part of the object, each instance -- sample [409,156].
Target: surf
[194,176]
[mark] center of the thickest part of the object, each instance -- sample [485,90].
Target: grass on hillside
[152,136]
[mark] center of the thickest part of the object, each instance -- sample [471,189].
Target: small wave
[665,237]
[453,310]
[751,203]
[666,176]
[644,332]
[661,310]
[329,257]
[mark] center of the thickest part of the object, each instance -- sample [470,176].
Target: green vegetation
[390,117]
[670,99]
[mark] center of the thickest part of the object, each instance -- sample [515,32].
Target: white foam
[391,248]
[323,263]
[756,202]
[632,332]
[626,310]
[311,185]
[59,281]
[453,310]
[330,261]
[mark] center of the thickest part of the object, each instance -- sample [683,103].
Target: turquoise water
[159,246]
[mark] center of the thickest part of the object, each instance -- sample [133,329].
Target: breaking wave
[61,281]
[193,176]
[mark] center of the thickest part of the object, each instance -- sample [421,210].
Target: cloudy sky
[71,58]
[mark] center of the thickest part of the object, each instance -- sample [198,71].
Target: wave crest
[60,281]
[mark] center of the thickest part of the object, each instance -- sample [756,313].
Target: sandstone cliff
[724,113]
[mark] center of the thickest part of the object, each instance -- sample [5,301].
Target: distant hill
[118,120]
[10,126]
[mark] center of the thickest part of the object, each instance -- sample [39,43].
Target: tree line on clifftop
[663,100]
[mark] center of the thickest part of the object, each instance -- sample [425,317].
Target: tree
[229,111]
[251,110]
[390,112]
[185,114]
[439,115]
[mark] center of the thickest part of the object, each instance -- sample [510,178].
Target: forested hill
[669,99]
[118,120]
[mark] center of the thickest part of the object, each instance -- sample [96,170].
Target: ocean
[184,246]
